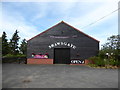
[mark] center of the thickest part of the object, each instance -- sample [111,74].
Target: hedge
[19,60]
[102,62]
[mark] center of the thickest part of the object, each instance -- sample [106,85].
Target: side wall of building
[85,46]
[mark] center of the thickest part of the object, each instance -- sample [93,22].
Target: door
[61,55]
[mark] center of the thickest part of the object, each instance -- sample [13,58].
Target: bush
[117,63]
[114,62]
[102,54]
[14,60]
[102,62]
[18,55]
[111,62]
[9,58]
[98,61]
[92,65]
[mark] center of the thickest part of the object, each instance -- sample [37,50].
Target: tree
[14,43]
[23,47]
[5,46]
[112,46]
[113,42]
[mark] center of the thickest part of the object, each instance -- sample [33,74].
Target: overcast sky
[31,18]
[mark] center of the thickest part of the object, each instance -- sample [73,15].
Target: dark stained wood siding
[85,45]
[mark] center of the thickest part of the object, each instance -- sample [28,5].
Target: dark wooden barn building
[61,44]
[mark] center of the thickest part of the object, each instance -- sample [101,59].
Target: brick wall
[89,61]
[86,62]
[39,61]
[49,61]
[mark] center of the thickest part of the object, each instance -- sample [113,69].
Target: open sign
[77,62]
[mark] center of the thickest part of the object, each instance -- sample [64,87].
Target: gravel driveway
[57,76]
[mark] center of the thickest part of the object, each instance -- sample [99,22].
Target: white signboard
[62,43]
[77,61]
